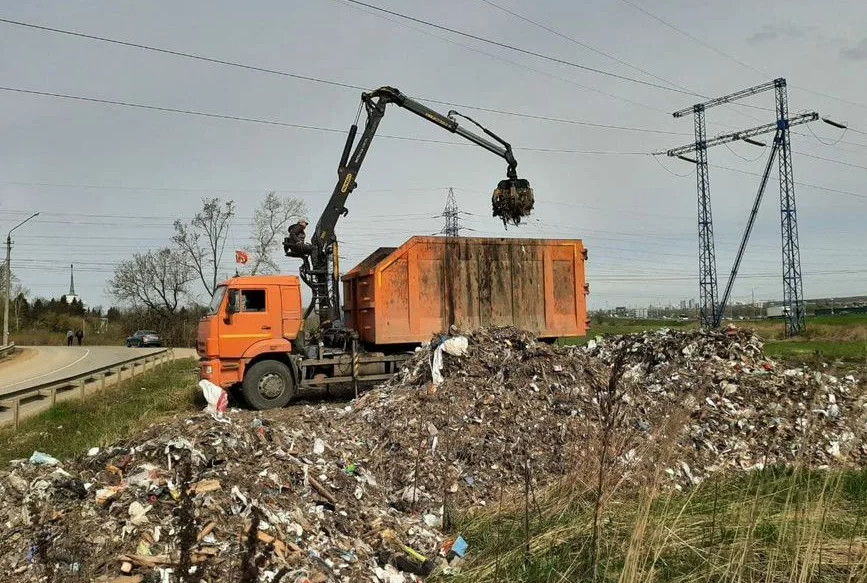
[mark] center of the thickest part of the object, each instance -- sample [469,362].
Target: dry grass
[781,524]
[792,525]
[839,328]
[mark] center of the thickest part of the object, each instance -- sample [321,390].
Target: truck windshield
[214,306]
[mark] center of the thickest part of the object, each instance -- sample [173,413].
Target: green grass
[613,327]
[848,350]
[844,320]
[74,426]
[774,525]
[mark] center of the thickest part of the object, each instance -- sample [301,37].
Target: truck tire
[268,384]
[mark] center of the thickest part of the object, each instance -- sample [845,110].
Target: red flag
[241,257]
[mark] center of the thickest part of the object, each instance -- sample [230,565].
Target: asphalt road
[40,364]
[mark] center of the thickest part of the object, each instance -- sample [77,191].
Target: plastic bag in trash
[455,346]
[217,398]
[436,365]
[43,459]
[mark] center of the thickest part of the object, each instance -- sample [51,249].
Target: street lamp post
[9,278]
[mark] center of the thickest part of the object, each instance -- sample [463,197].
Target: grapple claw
[512,200]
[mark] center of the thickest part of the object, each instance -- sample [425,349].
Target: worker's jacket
[296,235]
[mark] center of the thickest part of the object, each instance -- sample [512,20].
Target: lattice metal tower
[452,227]
[793,300]
[793,291]
[707,280]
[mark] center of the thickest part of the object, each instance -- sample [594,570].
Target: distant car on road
[144,338]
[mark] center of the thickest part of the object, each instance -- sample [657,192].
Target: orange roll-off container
[405,295]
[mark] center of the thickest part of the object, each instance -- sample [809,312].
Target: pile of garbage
[234,499]
[455,443]
[735,408]
[692,402]
[363,491]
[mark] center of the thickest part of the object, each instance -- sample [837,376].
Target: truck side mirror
[233,305]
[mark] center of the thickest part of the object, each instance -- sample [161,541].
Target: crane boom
[512,199]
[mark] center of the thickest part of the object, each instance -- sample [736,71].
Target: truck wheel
[268,384]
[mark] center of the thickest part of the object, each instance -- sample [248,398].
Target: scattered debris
[359,491]
[129,522]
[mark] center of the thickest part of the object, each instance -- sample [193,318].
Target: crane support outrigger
[512,199]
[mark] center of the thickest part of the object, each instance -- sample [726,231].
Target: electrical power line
[521,50]
[561,35]
[319,80]
[841,162]
[182,54]
[358,87]
[732,58]
[287,124]
[581,44]
[193,112]
[691,37]
[805,184]
[500,58]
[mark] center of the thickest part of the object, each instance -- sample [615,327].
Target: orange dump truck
[394,300]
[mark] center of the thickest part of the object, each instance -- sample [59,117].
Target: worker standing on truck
[294,245]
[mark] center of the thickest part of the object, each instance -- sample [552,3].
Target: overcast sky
[109,180]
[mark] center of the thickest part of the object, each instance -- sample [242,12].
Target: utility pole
[9,278]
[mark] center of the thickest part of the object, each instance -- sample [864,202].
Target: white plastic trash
[217,398]
[456,345]
[43,459]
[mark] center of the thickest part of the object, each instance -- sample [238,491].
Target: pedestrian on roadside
[69,336]
[79,335]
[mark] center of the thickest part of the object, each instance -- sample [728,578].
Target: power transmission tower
[793,290]
[707,282]
[711,311]
[452,227]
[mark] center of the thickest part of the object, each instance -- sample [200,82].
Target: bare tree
[157,280]
[269,218]
[203,239]
[19,300]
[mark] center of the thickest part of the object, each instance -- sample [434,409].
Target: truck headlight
[209,369]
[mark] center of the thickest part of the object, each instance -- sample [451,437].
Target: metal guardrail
[50,388]
[7,350]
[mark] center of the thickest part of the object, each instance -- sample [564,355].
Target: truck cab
[248,335]
[252,339]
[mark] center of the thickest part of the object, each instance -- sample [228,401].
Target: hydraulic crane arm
[512,199]
[375,103]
